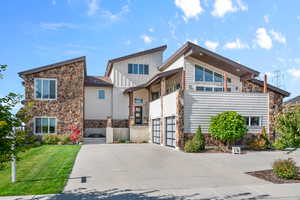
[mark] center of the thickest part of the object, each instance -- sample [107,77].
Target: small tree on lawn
[227,127]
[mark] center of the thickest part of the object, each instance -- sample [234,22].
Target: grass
[41,170]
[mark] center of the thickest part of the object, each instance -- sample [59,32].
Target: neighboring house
[143,98]
[293,101]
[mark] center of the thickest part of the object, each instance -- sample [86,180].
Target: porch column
[162,120]
[131,117]
[225,82]
[180,113]
[265,84]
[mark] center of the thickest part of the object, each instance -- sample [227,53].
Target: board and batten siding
[199,107]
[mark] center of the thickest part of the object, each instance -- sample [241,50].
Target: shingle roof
[271,87]
[294,100]
[141,53]
[51,66]
[97,81]
[153,79]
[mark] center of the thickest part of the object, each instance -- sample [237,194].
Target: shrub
[75,135]
[261,142]
[197,144]
[50,139]
[64,139]
[121,141]
[285,169]
[288,125]
[227,127]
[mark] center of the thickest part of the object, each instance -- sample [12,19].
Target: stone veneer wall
[120,123]
[275,103]
[68,108]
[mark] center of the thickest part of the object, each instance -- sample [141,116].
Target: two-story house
[143,97]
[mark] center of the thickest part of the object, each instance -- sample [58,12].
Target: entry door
[138,114]
[170,131]
[156,131]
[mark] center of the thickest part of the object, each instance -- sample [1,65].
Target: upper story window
[101,94]
[44,125]
[206,75]
[138,100]
[138,69]
[253,121]
[211,89]
[45,88]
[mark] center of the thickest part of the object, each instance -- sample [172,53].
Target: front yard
[41,170]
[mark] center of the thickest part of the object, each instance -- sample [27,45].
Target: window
[45,88]
[138,69]
[199,73]
[101,94]
[253,121]
[218,78]
[204,89]
[218,89]
[45,125]
[138,100]
[208,75]
[155,95]
[130,69]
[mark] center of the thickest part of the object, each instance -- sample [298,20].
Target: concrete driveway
[161,170]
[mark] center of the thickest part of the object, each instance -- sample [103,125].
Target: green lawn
[41,170]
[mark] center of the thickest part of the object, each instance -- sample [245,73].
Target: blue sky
[264,35]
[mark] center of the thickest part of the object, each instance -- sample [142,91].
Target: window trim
[99,94]
[34,125]
[44,99]
[249,118]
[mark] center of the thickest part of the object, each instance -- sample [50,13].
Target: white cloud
[56,26]
[294,72]
[267,19]
[278,37]
[211,45]
[147,39]
[151,30]
[54,2]
[114,17]
[221,7]
[241,5]
[190,8]
[263,39]
[93,7]
[237,44]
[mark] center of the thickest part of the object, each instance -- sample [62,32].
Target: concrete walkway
[146,171]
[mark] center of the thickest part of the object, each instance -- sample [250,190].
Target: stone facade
[95,123]
[120,123]
[68,107]
[275,103]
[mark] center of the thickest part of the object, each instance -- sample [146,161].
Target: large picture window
[44,125]
[138,69]
[45,88]
[206,75]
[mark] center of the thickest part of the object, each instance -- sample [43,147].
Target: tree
[227,127]
[197,144]
[288,126]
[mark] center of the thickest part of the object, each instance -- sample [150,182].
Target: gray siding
[199,107]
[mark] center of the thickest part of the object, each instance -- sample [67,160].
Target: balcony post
[225,82]
[265,84]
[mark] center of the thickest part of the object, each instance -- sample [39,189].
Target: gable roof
[271,87]
[141,53]
[294,100]
[52,66]
[193,50]
[97,81]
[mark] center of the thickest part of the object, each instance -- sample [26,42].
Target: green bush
[197,144]
[227,127]
[50,139]
[288,125]
[261,142]
[285,169]
[121,141]
[64,139]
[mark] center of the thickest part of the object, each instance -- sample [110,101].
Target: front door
[138,114]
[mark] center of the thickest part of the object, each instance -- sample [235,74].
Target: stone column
[225,82]
[130,117]
[162,119]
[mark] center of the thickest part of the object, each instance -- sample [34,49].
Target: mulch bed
[268,175]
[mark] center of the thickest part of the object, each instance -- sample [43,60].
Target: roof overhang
[141,53]
[192,50]
[271,87]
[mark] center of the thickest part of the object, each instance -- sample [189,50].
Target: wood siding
[199,107]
